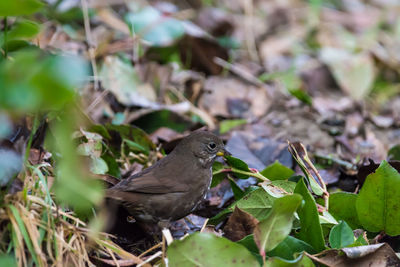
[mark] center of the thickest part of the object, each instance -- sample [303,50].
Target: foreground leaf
[204,249]
[289,247]
[24,29]
[311,230]
[19,7]
[342,205]
[238,164]
[301,260]
[277,171]
[378,201]
[372,255]
[341,235]
[257,202]
[27,86]
[277,226]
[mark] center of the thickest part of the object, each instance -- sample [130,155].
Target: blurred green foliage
[19,7]
[34,82]
[152,26]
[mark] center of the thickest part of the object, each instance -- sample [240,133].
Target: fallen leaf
[205,249]
[354,73]
[239,225]
[123,81]
[362,256]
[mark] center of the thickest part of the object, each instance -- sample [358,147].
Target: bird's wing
[155,180]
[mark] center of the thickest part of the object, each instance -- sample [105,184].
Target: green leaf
[72,185]
[302,96]
[342,206]
[277,171]
[113,167]
[256,202]
[19,7]
[151,25]
[377,203]
[238,164]
[218,177]
[98,166]
[33,81]
[360,241]
[204,249]
[394,153]
[279,188]
[237,191]
[100,129]
[327,218]
[311,230]
[300,155]
[300,261]
[226,125]
[248,242]
[277,226]
[8,260]
[135,146]
[25,235]
[290,247]
[163,118]
[24,29]
[123,80]
[135,137]
[341,235]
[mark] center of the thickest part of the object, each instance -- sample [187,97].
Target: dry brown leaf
[240,224]
[230,97]
[363,256]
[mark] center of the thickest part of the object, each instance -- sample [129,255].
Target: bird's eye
[212,145]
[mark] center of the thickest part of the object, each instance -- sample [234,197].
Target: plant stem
[5,37]
[234,170]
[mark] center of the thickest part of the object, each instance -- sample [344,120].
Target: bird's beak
[223,152]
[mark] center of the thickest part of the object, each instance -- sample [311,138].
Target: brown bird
[174,186]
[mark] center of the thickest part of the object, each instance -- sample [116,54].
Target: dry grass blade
[19,224]
[42,234]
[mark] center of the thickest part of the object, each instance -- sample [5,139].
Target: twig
[5,37]
[150,249]
[250,39]
[90,42]
[206,117]
[250,173]
[299,153]
[340,162]
[241,72]
[149,259]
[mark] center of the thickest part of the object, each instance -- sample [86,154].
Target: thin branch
[89,40]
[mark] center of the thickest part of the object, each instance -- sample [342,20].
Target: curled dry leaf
[239,225]
[362,256]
